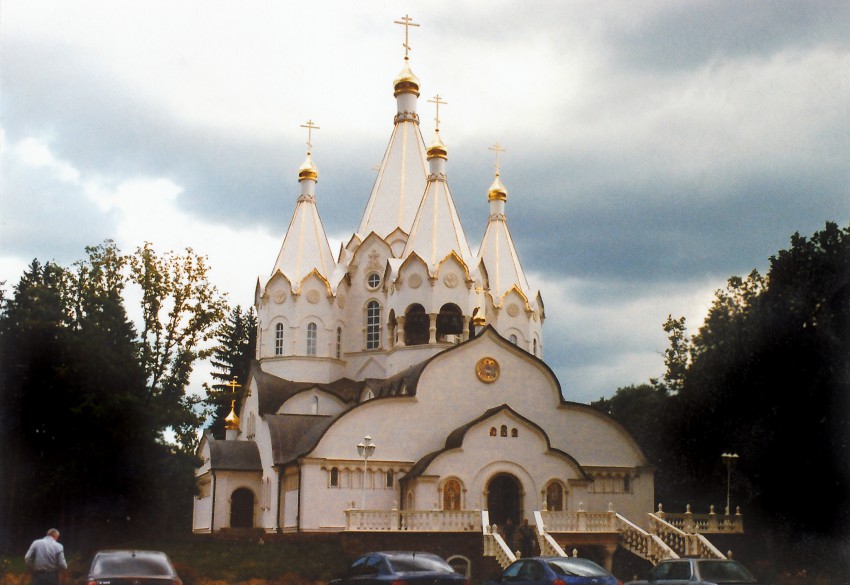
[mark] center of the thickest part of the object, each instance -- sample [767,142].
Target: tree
[231,360]
[180,309]
[85,400]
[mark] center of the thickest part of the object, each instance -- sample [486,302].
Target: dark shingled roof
[234,456]
[455,440]
[272,391]
[293,435]
[402,384]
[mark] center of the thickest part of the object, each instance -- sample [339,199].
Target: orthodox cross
[310,127]
[407,22]
[233,385]
[497,148]
[438,100]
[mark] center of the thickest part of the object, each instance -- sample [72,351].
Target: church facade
[404,377]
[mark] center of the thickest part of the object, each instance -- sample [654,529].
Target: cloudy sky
[654,148]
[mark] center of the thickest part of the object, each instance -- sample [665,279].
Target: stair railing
[701,546]
[494,544]
[645,545]
[673,537]
[548,546]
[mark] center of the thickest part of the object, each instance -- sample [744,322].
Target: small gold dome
[479,320]
[308,170]
[231,422]
[437,148]
[406,82]
[497,191]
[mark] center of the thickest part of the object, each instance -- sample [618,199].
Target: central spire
[403,171]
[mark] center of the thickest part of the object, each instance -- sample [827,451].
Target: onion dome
[406,82]
[308,170]
[437,148]
[231,422]
[497,191]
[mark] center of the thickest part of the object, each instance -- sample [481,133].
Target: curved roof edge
[455,440]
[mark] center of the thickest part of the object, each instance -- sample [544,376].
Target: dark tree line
[97,427]
[767,376]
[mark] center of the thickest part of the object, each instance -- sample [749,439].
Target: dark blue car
[555,571]
[400,568]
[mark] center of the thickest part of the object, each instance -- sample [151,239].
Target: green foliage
[82,422]
[767,376]
[180,310]
[231,360]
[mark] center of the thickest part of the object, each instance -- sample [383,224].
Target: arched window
[451,495]
[503,431]
[449,321]
[311,339]
[514,432]
[338,342]
[534,347]
[278,339]
[373,325]
[390,478]
[555,497]
[493,432]
[334,477]
[315,408]
[416,325]
[513,339]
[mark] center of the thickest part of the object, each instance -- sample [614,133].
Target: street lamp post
[729,459]
[365,448]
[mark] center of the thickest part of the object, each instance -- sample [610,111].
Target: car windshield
[577,567]
[131,564]
[415,563]
[724,571]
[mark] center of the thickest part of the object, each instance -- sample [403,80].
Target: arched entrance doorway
[242,509]
[504,498]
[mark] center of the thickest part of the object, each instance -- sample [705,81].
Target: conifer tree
[231,360]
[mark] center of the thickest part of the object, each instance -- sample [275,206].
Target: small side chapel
[401,384]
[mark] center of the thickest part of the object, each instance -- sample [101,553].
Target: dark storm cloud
[65,223]
[103,129]
[688,34]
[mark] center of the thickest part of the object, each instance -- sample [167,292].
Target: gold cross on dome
[438,100]
[497,148]
[233,385]
[407,22]
[310,127]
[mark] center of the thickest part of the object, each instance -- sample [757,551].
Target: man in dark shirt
[45,558]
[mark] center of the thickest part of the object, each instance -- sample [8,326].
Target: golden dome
[478,320]
[231,422]
[308,170]
[437,148]
[497,191]
[406,82]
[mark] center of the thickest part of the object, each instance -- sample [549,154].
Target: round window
[373,281]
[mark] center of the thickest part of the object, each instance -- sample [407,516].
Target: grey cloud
[688,34]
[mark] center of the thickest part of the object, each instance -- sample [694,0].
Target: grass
[207,561]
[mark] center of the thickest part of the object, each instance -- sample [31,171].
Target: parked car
[400,568]
[556,571]
[132,567]
[698,572]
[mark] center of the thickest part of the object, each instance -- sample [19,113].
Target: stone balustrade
[413,520]
[711,523]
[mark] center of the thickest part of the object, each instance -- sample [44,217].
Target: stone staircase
[666,536]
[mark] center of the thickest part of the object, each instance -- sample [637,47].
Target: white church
[401,384]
